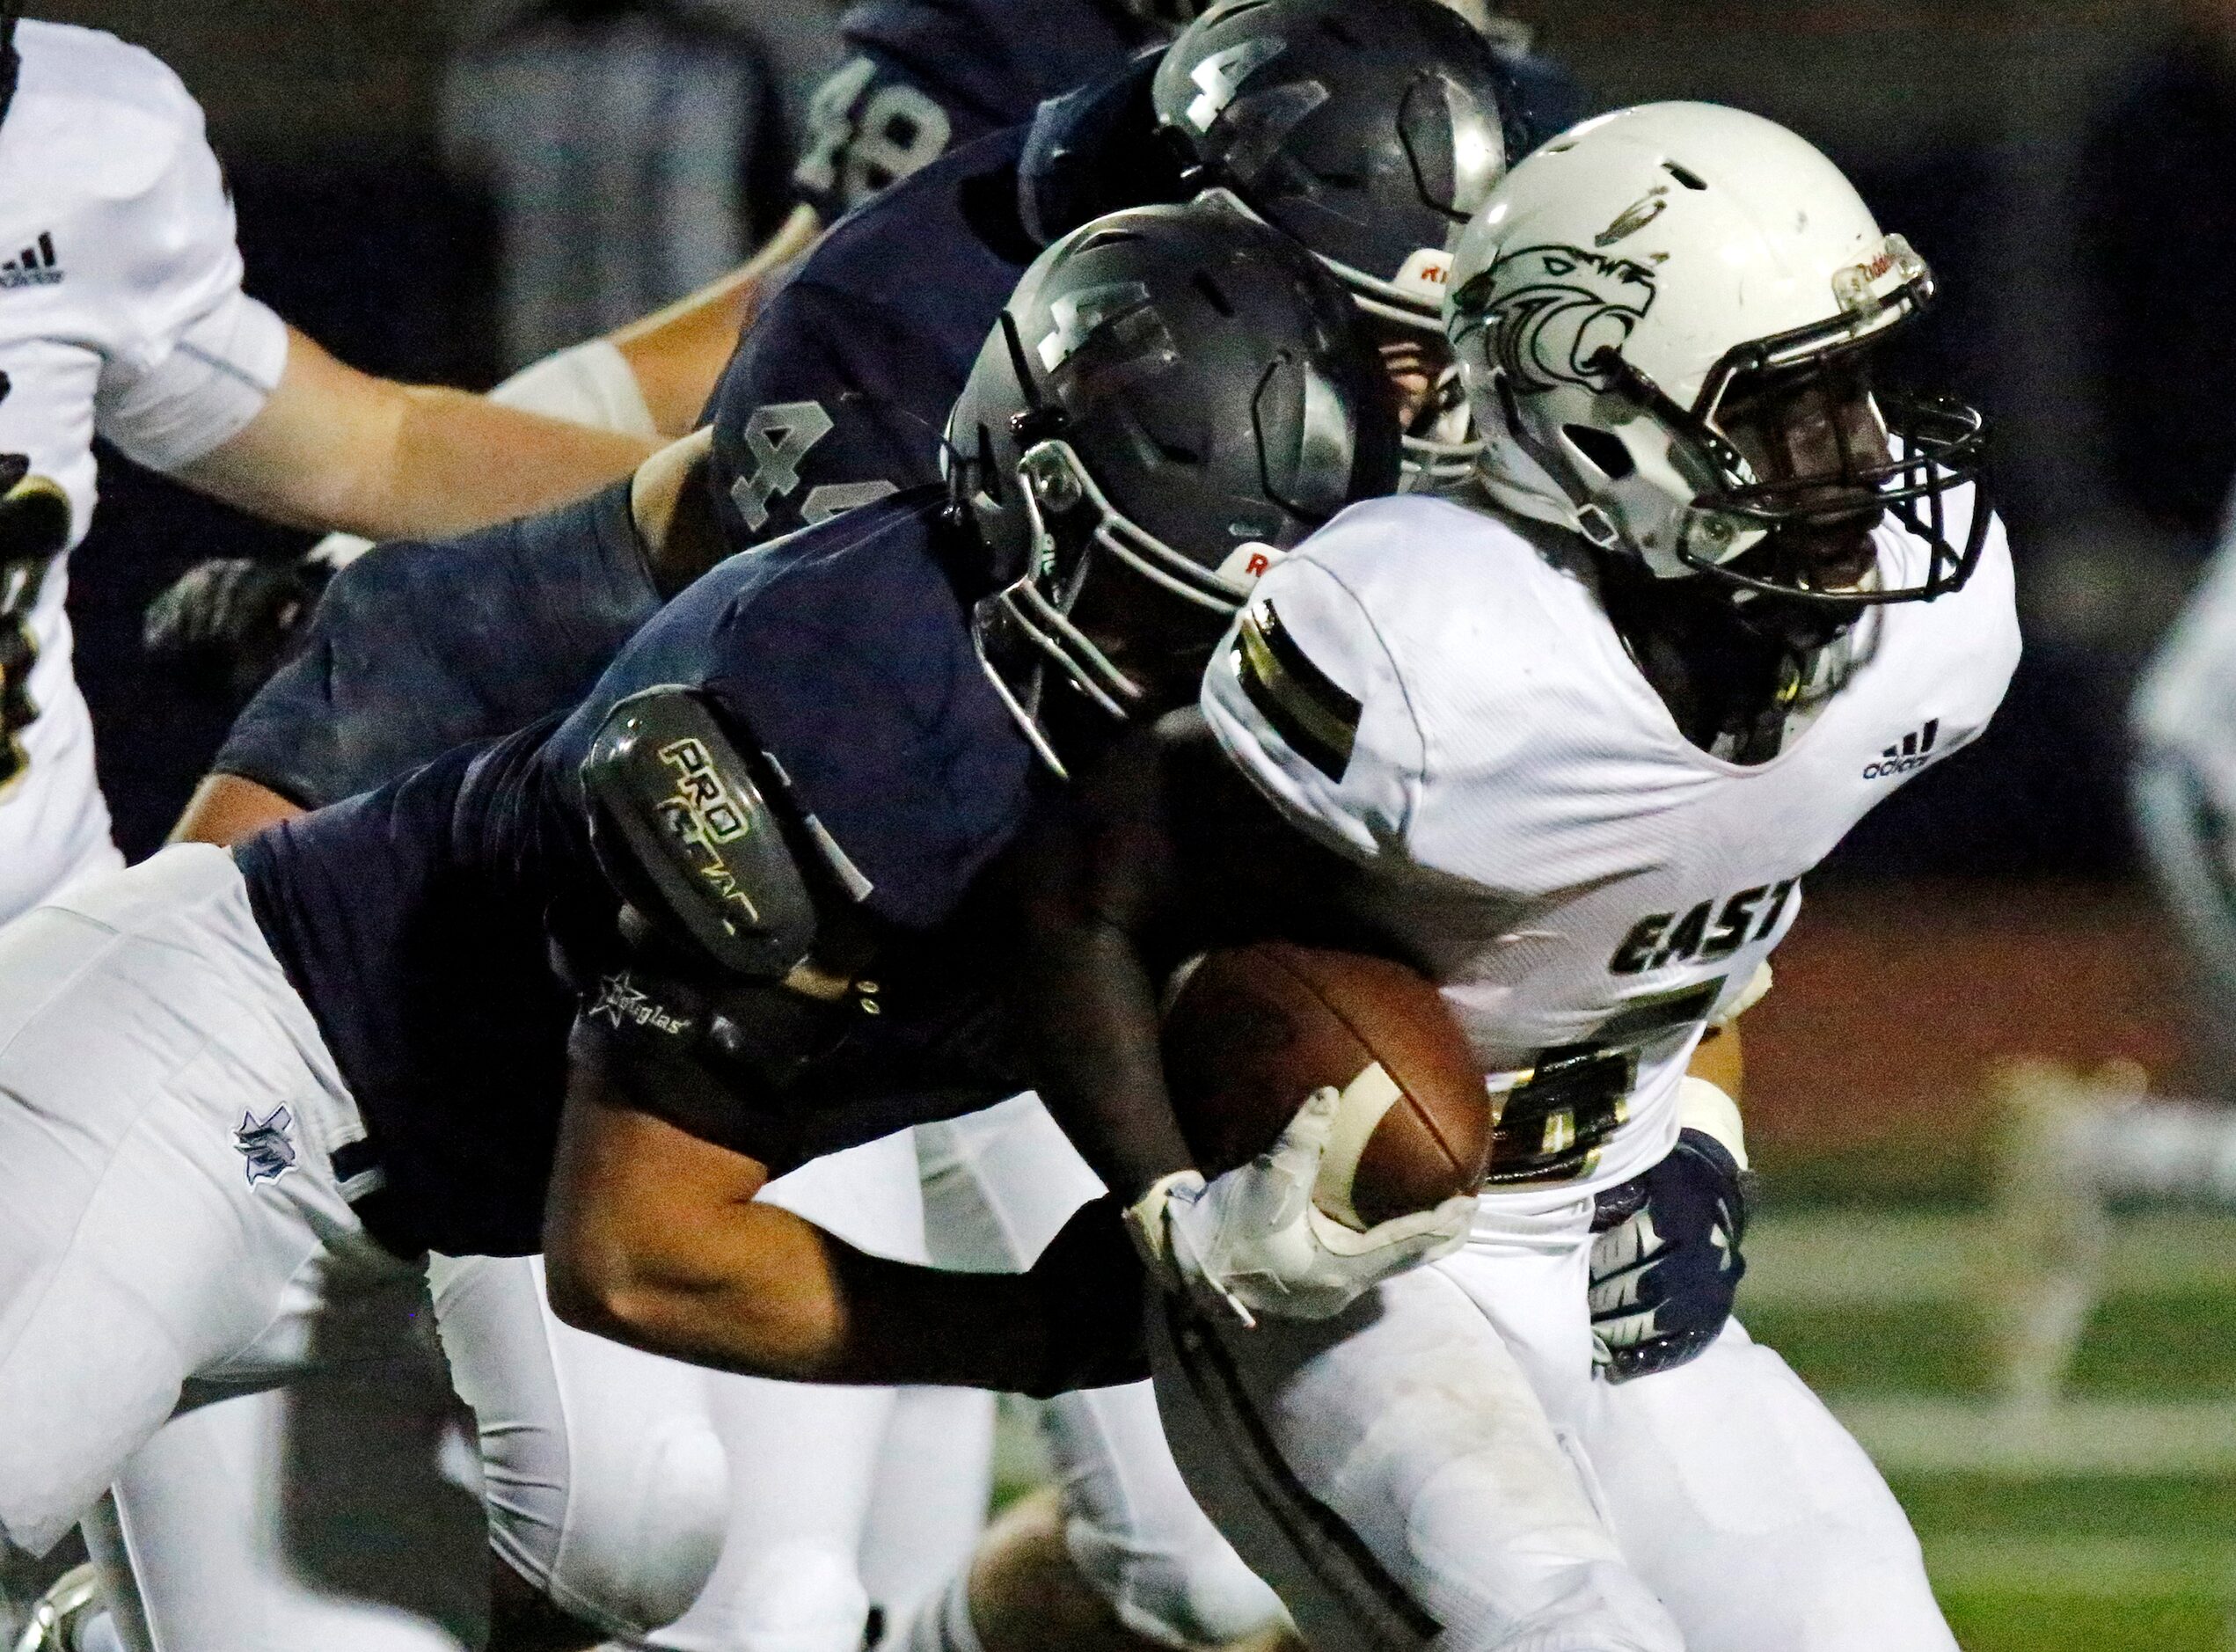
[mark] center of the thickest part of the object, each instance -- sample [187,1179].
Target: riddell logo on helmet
[1247,560]
[1425,271]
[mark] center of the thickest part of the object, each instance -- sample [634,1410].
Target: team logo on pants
[264,1143]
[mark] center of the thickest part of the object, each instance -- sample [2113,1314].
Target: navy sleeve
[1548,100]
[828,404]
[419,648]
[838,394]
[924,77]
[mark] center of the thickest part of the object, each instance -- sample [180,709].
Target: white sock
[943,1624]
[97,1633]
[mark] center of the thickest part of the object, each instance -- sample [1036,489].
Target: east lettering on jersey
[1662,939]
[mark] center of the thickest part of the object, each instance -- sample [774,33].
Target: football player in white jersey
[1571,755]
[2073,1143]
[122,314]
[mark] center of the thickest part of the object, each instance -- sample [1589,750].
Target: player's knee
[1182,1589]
[630,1555]
[800,1598]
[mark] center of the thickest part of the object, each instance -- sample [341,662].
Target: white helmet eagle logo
[1551,310]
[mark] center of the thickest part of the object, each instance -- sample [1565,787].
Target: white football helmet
[1651,271]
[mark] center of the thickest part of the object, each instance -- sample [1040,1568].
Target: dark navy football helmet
[1173,396]
[1371,135]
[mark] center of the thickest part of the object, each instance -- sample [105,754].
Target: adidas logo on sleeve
[33,267]
[1914,752]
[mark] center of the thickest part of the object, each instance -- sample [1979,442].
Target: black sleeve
[779,1075]
[416,648]
[719,1060]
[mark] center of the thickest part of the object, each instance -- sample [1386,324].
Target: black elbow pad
[683,831]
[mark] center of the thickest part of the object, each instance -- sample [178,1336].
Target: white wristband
[1702,1106]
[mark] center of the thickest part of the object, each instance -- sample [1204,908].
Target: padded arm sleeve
[819,412]
[417,648]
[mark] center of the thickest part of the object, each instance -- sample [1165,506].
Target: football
[1254,1030]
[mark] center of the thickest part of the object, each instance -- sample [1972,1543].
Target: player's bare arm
[678,352]
[653,1238]
[1160,853]
[337,448]
[1168,854]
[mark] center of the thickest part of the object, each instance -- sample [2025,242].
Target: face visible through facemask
[1816,442]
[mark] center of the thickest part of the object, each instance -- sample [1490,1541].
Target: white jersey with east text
[122,314]
[1442,699]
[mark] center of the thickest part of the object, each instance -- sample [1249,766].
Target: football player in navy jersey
[881,331]
[928,78]
[239,1094]
[1370,146]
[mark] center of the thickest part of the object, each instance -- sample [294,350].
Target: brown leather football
[1254,1030]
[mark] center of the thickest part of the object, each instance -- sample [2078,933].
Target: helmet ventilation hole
[1690,181]
[1214,295]
[1606,450]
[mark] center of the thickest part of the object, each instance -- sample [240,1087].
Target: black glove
[1666,1266]
[225,625]
[1091,1286]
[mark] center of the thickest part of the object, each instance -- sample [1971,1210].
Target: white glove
[1253,1240]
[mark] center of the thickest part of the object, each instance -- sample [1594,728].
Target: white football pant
[676,1507]
[189,1309]
[1439,1465]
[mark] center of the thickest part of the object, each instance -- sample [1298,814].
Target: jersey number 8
[34,531]
[858,145]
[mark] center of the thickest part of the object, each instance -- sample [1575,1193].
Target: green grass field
[2108,1523]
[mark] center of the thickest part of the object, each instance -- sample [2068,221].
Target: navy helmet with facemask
[1371,135]
[1173,397]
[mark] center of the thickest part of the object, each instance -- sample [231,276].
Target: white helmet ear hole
[1603,449]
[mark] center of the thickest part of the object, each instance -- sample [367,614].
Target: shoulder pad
[683,831]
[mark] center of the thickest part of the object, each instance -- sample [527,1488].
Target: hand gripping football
[1254,1030]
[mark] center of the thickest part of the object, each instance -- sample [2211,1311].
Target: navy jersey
[924,77]
[415,649]
[839,392]
[422,922]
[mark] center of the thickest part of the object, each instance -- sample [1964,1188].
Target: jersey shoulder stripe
[1306,706]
